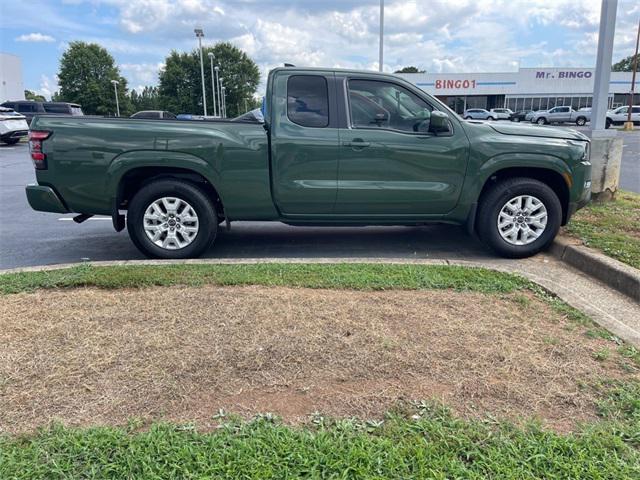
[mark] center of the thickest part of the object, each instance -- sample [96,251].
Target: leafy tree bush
[86,71]
[180,88]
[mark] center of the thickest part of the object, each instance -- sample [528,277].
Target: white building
[11,85]
[526,89]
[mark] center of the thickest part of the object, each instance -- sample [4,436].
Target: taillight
[36,137]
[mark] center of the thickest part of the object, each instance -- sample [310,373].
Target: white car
[619,115]
[13,126]
[477,114]
[501,113]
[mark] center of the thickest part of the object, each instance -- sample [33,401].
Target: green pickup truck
[336,147]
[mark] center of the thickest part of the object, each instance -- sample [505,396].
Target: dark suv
[29,108]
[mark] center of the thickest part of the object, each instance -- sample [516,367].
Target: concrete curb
[613,273]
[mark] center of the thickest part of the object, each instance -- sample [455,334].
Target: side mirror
[439,122]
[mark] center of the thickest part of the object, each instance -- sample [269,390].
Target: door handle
[356,143]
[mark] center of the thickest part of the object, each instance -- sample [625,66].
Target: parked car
[520,115]
[30,108]
[561,115]
[501,113]
[478,114]
[13,126]
[154,115]
[394,156]
[620,115]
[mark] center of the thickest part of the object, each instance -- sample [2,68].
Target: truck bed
[88,156]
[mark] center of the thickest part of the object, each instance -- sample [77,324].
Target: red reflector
[36,137]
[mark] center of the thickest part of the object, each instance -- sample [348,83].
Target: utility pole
[629,124]
[115,89]
[217,70]
[380,53]
[199,34]
[213,88]
[606,145]
[603,64]
[224,101]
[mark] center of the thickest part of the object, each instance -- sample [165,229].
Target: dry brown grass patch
[90,356]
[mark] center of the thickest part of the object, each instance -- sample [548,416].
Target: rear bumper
[45,199]
[14,134]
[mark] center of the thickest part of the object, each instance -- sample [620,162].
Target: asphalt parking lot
[29,238]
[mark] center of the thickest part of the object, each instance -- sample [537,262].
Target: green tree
[410,69]
[86,71]
[148,99]
[180,86]
[625,65]
[29,95]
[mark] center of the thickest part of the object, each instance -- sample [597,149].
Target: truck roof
[337,70]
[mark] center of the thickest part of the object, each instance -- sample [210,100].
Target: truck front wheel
[171,219]
[519,217]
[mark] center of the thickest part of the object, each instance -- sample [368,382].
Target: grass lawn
[418,372]
[611,227]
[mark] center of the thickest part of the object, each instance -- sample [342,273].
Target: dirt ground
[90,356]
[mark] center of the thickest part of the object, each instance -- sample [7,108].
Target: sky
[434,35]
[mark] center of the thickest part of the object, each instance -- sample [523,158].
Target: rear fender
[122,164]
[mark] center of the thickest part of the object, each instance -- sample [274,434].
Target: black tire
[497,196]
[194,196]
[491,119]
[515,119]
[541,121]
[607,123]
[580,121]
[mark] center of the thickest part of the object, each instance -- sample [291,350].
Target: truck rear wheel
[171,219]
[519,217]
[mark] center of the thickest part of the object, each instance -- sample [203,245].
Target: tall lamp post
[224,102]
[380,53]
[115,89]
[217,88]
[221,91]
[199,34]
[629,124]
[213,88]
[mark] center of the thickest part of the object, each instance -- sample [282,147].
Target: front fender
[476,181]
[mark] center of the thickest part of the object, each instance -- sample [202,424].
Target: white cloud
[35,37]
[141,73]
[48,86]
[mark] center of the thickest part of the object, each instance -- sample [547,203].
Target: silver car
[501,113]
[478,114]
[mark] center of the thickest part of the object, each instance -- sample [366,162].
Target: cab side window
[308,100]
[376,104]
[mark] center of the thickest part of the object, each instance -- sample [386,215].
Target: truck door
[304,143]
[390,162]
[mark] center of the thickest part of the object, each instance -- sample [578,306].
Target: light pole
[380,53]
[213,88]
[199,34]
[115,89]
[220,90]
[629,124]
[224,102]
[217,87]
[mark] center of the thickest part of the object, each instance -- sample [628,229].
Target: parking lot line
[70,219]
